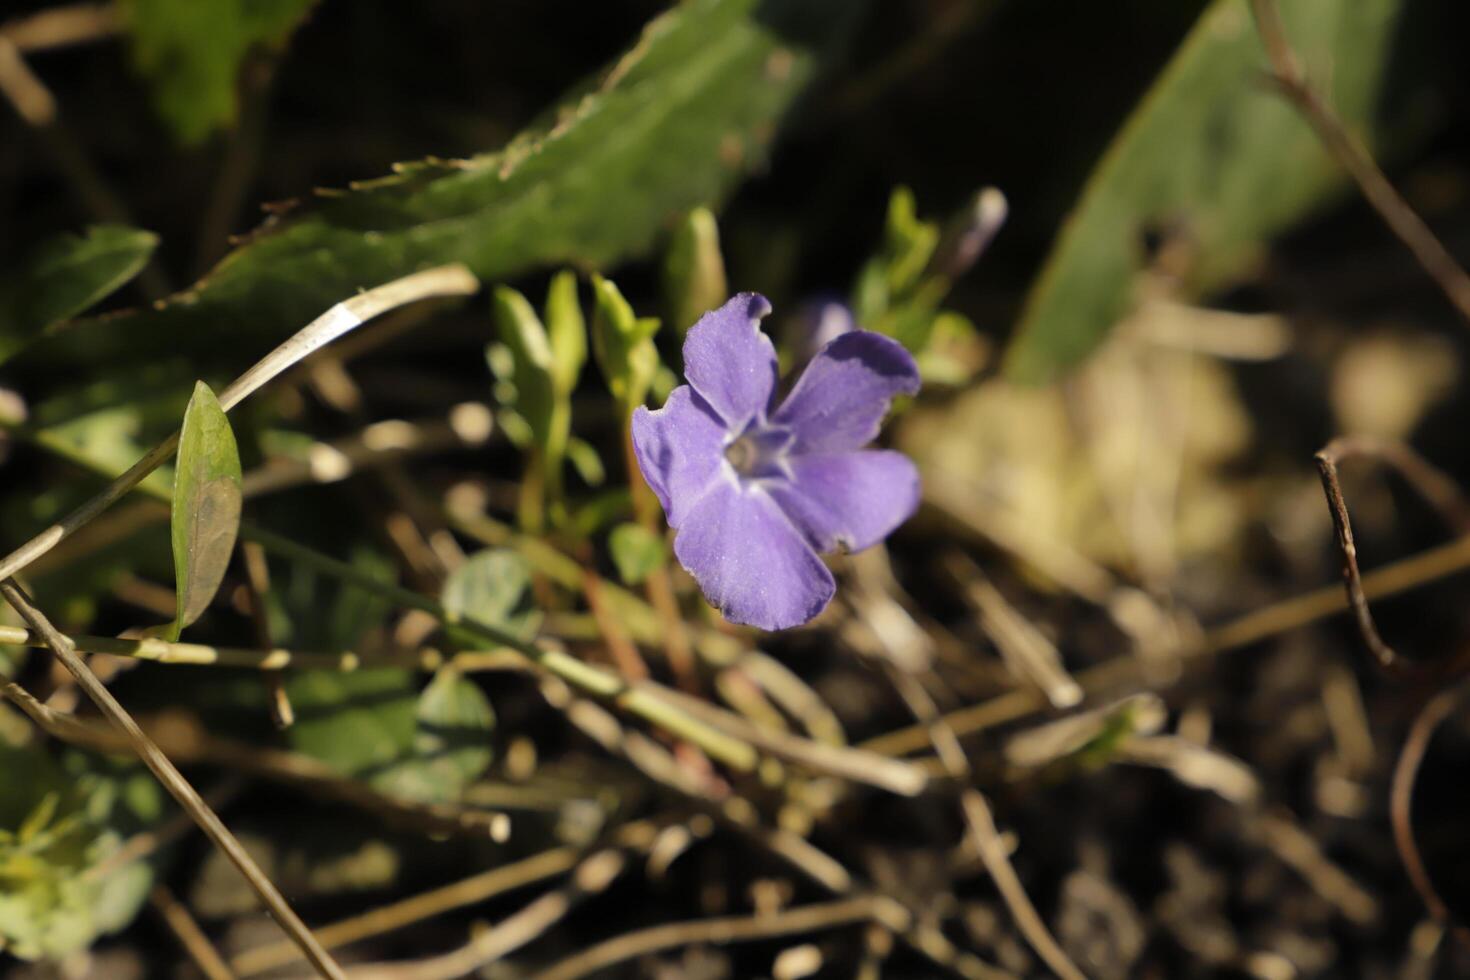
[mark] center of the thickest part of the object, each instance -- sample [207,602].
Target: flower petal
[730,362]
[849,500]
[749,560]
[839,402]
[680,449]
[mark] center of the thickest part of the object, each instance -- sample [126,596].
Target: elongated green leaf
[522,333]
[191,51]
[66,276]
[694,270]
[206,505]
[567,330]
[676,122]
[1212,152]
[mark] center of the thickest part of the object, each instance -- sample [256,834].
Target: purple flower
[756,493]
[820,322]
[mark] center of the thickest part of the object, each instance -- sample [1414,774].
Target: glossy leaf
[206,505]
[1212,155]
[66,276]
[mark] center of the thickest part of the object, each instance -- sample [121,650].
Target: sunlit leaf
[206,505]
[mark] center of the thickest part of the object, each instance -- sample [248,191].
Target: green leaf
[66,276]
[694,270]
[623,345]
[491,587]
[585,460]
[191,51]
[522,333]
[451,742]
[636,551]
[206,506]
[57,824]
[360,723]
[1212,151]
[375,726]
[567,330]
[676,122]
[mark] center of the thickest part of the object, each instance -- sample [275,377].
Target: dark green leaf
[1213,153]
[66,276]
[676,122]
[206,505]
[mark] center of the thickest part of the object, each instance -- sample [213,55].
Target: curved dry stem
[1350,153]
[1433,485]
[450,280]
[1401,801]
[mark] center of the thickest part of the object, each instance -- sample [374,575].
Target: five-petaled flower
[755,491]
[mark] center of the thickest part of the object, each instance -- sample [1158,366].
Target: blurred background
[1123,588]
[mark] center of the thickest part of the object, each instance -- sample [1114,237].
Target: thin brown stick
[851,764]
[724,930]
[146,843]
[1437,488]
[470,891]
[624,654]
[592,876]
[258,577]
[189,743]
[176,916]
[1424,568]
[173,781]
[1401,801]
[1289,77]
[61,27]
[977,813]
